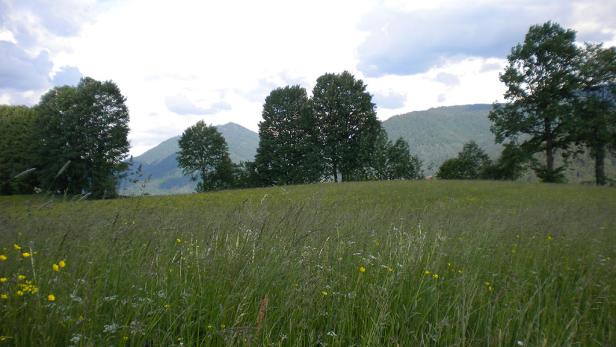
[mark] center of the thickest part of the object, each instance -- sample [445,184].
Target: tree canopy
[288,151]
[347,123]
[83,131]
[18,146]
[204,155]
[594,126]
[469,164]
[540,80]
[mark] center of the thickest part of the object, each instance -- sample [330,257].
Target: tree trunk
[335,171]
[600,165]
[549,147]
[549,154]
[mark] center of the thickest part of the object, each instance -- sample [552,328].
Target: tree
[204,155]
[400,163]
[288,151]
[469,164]
[347,123]
[18,144]
[87,127]
[511,164]
[540,80]
[595,123]
[390,161]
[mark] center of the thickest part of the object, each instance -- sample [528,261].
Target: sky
[178,62]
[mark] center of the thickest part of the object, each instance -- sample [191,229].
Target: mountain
[160,173]
[438,134]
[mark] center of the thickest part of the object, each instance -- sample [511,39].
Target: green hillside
[396,263]
[438,134]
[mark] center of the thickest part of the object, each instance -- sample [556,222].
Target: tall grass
[387,263]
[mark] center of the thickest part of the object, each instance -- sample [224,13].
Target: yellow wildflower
[3,257]
[324,293]
[20,293]
[55,267]
[167,306]
[427,272]
[26,254]
[3,279]
[362,269]
[178,241]
[51,297]
[17,247]
[390,269]
[435,276]
[125,338]
[21,277]
[62,263]
[4,296]
[549,237]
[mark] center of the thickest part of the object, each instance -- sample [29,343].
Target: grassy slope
[506,262]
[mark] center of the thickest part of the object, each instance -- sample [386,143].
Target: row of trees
[334,135]
[560,97]
[74,141]
[473,163]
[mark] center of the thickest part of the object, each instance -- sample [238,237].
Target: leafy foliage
[288,150]
[347,123]
[391,161]
[540,81]
[469,164]
[595,123]
[511,165]
[204,155]
[87,127]
[18,146]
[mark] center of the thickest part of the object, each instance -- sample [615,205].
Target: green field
[364,264]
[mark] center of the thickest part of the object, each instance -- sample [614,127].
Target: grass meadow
[396,263]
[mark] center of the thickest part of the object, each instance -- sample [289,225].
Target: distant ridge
[160,164]
[438,134]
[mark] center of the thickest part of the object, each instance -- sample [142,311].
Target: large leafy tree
[83,134]
[541,81]
[347,123]
[288,151]
[204,155]
[18,145]
[595,124]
